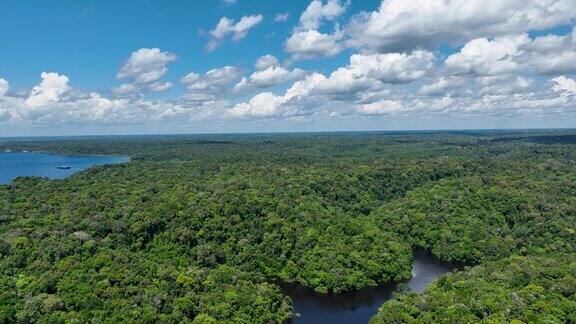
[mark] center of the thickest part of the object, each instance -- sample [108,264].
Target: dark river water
[13,165]
[360,306]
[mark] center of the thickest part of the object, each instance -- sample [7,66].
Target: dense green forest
[204,228]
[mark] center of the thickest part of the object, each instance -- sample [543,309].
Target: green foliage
[523,288]
[202,228]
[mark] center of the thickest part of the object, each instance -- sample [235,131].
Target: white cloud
[345,82]
[199,97]
[371,71]
[318,12]
[515,104]
[146,65]
[307,41]
[160,86]
[266,61]
[488,56]
[94,109]
[443,103]
[441,86]
[344,92]
[303,88]
[215,81]
[365,72]
[382,107]
[269,77]
[227,27]
[97,106]
[53,85]
[312,43]
[4,113]
[552,54]
[266,104]
[124,89]
[564,85]
[77,108]
[282,17]
[4,86]
[499,70]
[505,85]
[393,67]
[54,103]
[408,24]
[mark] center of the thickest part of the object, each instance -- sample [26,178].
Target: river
[360,306]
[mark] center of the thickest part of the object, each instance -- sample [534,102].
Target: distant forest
[204,228]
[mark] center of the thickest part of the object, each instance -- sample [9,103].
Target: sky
[225,66]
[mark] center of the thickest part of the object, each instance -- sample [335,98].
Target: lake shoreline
[14,165]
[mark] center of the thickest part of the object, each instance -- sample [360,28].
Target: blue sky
[89,40]
[140,66]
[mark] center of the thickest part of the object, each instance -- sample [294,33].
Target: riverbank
[360,306]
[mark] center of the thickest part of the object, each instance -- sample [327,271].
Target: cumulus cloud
[53,85]
[274,75]
[307,41]
[564,85]
[365,72]
[403,25]
[393,67]
[266,104]
[53,102]
[487,56]
[124,89]
[160,86]
[266,61]
[345,82]
[552,54]
[4,86]
[441,86]
[312,43]
[146,65]
[382,107]
[215,81]
[269,77]
[371,71]
[318,12]
[94,109]
[500,69]
[304,88]
[506,85]
[228,27]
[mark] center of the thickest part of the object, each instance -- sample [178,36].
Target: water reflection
[360,306]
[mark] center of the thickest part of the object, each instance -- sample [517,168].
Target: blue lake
[13,165]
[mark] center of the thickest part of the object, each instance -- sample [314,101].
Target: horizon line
[415,131]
